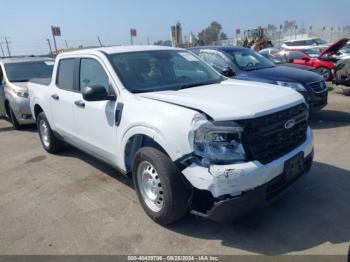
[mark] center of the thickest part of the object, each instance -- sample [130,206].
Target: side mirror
[290,60]
[305,58]
[227,71]
[96,93]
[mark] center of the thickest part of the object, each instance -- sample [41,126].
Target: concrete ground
[74,204]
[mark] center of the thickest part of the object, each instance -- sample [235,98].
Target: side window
[92,74]
[65,74]
[296,55]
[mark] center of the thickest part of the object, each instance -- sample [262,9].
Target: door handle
[55,96]
[79,103]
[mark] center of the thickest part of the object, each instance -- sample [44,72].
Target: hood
[308,68]
[232,99]
[22,86]
[332,49]
[282,73]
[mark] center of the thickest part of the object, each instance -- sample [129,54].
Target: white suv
[190,138]
[306,43]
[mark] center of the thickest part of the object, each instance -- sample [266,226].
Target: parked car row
[246,64]
[193,140]
[321,58]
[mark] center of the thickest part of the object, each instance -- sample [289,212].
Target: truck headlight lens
[23,94]
[218,142]
[296,86]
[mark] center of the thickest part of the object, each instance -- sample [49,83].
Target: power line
[7,45]
[2,50]
[99,40]
[49,43]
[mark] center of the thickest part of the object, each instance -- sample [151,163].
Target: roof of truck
[121,49]
[23,59]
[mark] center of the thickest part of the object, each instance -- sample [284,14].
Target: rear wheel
[159,186]
[49,141]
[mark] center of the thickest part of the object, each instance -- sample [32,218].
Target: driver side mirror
[290,60]
[305,58]
[96,93]
[227,71]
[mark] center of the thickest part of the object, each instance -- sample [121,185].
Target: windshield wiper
[19,80]
[189,85]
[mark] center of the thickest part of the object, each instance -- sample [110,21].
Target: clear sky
[27,22]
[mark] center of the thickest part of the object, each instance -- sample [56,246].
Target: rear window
[25,71]
[295,43]
[65,75]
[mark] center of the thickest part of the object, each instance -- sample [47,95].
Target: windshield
[148,71]
[24,71]
[320,41]
[249,60]
[312,52]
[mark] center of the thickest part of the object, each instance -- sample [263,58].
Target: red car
[322,62]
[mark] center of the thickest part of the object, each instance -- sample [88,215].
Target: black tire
[326,73]
[175,193]
[14,120]
[54,145]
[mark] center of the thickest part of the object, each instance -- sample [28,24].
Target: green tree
[223,36]
[211,34]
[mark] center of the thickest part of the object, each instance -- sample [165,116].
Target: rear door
[61,97]
[95,121]
[2,94]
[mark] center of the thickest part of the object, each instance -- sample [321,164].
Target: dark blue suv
[246,64]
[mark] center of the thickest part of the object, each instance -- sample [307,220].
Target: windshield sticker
[49,63]
[188,57]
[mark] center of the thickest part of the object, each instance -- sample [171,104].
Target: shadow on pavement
[70,151]
[326,119]
[314,212]
[24,128]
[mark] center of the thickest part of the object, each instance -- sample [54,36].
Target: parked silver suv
[14,76]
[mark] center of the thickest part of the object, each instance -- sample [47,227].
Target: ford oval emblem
[289,124]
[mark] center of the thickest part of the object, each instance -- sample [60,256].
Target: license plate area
[294,166]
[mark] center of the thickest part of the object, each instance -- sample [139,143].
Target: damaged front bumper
[241,187]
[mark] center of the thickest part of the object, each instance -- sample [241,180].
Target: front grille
[266,138]
[318,87]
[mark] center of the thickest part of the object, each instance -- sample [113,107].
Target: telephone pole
[66,44]
[99,40]
[8,45]
[2,50]
[49,43]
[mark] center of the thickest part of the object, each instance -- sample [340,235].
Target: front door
[96,130]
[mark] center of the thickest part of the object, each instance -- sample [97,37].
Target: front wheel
[49,141]
[159,186]
[14,121]
[326,73]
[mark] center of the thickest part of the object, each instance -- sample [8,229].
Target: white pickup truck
[192,139]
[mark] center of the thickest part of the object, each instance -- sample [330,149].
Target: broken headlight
[217,142]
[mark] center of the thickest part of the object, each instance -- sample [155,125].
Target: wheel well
[37,110]
[134,144]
